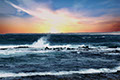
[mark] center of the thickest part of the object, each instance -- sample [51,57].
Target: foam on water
[9,46]
[83,71]
[42,42]
[112,53]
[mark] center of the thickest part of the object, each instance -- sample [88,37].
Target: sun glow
[44,19]
[56,22]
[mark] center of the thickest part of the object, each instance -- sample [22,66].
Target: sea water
[58,56]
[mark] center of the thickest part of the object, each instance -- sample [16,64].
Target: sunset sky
[59,16]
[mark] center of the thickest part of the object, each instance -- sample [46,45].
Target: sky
[59,16]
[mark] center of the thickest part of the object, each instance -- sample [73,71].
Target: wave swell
[84,71]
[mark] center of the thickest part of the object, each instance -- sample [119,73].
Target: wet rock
[3,48]
[47,48]
[114,51]
[113,46]
[85,47]
[70,48]
[22,47]
[117,51]
[57,49]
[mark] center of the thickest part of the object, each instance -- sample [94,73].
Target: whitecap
[83,71]
[112,53]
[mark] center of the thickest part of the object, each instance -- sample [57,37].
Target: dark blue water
[58,38]
[28,56]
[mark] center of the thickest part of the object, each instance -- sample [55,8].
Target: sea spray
[42,42]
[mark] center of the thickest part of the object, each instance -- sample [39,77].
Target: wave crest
[42,42]
[84,71]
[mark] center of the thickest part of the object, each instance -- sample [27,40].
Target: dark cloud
[116,26]
[110,26]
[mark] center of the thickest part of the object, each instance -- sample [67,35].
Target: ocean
[59,57]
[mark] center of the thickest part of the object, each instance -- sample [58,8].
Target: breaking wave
[40,45]
[42,42]
[84,71]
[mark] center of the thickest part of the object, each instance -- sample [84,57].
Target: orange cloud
[46,20]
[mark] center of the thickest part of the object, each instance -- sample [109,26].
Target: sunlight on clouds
[46,20]
[53,20]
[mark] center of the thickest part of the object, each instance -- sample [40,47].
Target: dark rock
[112,46]
[117,51]
[22,47]
[70,48]
[85,47]
[57,49]
[3,48]
[47,48]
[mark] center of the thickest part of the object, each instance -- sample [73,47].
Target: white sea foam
[84,71]
[112,53]
[42,42]
[8,46]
